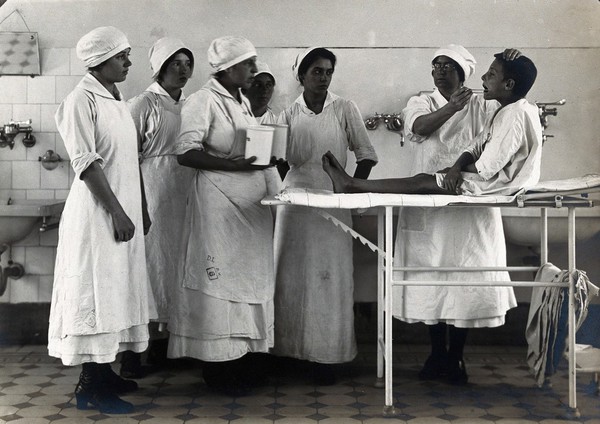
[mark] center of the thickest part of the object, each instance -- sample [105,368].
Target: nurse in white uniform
[157,116]
[442,124]
[314,316]
[101,300]
[260,93]
[223,305]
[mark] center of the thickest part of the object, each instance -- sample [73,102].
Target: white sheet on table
[329,199]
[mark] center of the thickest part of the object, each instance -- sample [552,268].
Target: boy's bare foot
[341,181]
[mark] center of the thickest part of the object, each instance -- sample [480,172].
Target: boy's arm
[453,178]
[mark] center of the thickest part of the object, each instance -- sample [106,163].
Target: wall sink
[522,225]
[18,218]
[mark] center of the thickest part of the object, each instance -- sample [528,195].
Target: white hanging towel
[546,331]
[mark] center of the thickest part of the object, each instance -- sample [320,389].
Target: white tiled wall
[21,173]
[383,59]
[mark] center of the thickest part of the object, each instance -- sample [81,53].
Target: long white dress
[157,118]
[223,305]
[314,317]
[450,236]
[101,300]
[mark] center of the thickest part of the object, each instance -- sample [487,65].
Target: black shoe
[91,390]
[220,377]
[435,367]
[157,353]
[323,374]
[253,369]
[131,366]
[115,383]
[457,373]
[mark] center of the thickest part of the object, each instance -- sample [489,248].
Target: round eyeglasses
[443,66]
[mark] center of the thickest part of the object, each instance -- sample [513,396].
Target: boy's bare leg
[343,183]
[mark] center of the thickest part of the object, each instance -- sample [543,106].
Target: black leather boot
[91,392]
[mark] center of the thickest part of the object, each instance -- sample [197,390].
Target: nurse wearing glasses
[442,124]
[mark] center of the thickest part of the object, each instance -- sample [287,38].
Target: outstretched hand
[459,99]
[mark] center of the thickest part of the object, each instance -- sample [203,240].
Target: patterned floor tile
[336,400]
[253,411]
[209,411]
[35,388]
[207,420]
[337,411]
[296,411]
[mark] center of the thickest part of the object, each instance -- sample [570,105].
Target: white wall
[384,49]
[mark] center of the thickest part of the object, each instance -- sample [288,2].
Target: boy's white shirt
[507,153]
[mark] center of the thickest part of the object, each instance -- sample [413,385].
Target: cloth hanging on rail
[547,324]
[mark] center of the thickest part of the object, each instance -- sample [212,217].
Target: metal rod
[572,329]
[465,269]
[477,283]
[389,401]
[380,299]
[544,236]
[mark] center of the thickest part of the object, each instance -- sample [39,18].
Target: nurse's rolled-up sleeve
[76,122]
[358,138]
[196,117]
[417,106]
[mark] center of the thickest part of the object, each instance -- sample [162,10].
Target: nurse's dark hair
[164,66]
[521,70]
[97,67]
[312,57]
[459,69]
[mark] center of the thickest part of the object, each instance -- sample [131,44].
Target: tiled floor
[37,389]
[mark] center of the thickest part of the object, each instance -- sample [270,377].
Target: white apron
[100,285]
[450,236]
[158,118]
[223,304]
[314,299]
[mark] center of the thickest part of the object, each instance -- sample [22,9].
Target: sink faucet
[546,111]
[9,131]
[393,122]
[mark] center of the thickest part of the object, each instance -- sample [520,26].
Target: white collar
[214,85]
[331,97]
[156,88]
[438,97]
[90,83]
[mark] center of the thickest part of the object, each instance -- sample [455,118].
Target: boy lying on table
[504,158]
